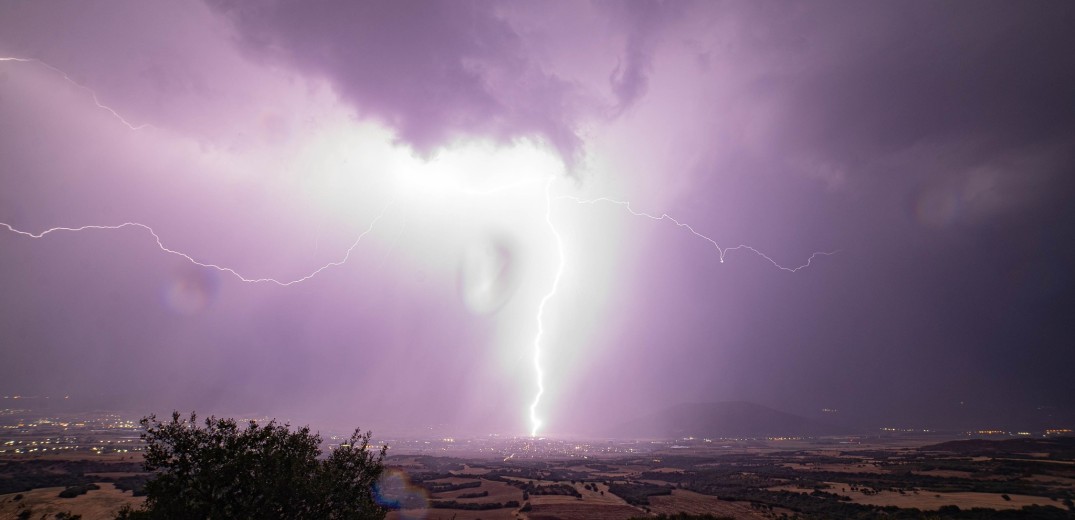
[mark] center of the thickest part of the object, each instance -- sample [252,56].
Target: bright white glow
[474,168]
[323,168]
[535,422]
[464,190]
[482,186]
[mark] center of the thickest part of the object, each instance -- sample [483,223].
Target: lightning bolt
[67,78]
[233,272]
[722,251]
[156,237]
[535,422]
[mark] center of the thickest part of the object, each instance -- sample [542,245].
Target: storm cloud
[932,144]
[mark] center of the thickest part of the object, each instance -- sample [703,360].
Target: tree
[220,471]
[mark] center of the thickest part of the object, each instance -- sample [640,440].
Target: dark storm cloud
[434,71]
[932,143]
[860,82]
[944,134]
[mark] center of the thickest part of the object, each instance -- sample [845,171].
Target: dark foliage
[442,487]
[638,494]
[552,489]
[473,506]
[220,470]
[1060,448]
[23,475]
[74,491]
[481,494]
[17,476]
[136,484]
[26,513]
[683,516]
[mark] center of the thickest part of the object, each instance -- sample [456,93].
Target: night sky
[391,214]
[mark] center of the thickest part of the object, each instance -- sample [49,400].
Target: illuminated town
[25,431]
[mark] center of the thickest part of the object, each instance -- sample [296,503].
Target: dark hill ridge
[1057,448]
[729,419]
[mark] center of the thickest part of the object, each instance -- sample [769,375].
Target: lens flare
[191,290]
[488,275]
[395,491]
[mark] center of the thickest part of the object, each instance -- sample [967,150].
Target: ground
[749,480]
[99,504]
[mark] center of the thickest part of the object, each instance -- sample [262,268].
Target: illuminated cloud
[930,144]
[434,72]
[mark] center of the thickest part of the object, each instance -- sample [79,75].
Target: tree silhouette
[220,470]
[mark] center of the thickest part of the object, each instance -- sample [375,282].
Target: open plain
[756,479]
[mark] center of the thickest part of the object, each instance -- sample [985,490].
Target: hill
[1060,448]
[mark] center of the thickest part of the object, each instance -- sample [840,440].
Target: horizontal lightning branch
[67,78]
[722,251]
[233,272]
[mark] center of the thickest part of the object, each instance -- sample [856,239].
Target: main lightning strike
[93,94]
[722,251]
[535,423]
[233,272]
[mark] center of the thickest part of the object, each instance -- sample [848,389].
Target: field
[928,501]
[695,503]
[98,504]
[757,481]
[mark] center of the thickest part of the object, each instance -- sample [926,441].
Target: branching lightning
[191,259]
[722,251]
[535,423]
[93,94]
[156,237]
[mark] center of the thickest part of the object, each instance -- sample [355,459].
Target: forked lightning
[535,421]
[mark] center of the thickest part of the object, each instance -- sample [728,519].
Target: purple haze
[931,143]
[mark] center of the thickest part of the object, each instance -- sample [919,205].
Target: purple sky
[442,150]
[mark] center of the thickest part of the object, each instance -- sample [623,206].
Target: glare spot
[487,275]
[191,291]
[395,491]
